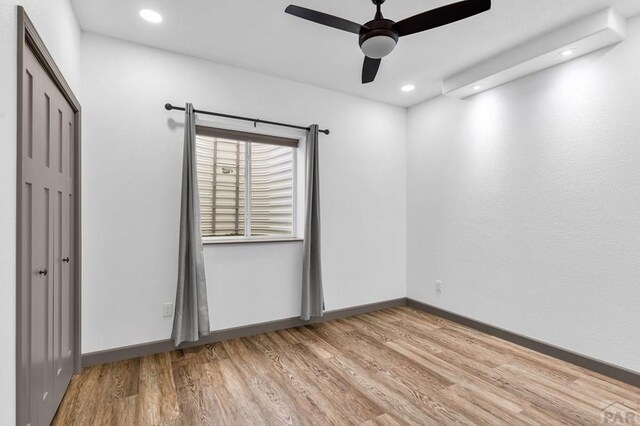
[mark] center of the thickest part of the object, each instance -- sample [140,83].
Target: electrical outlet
[439,286]
[167,309]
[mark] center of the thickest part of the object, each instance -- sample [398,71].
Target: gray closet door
[47,240]
[62,132]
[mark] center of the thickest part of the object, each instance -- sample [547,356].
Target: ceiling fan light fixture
[379,46]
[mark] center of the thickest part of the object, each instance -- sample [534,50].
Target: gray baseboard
[595,365]
[150,348]
[604,368]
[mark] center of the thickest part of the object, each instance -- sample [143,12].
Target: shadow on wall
[173,124]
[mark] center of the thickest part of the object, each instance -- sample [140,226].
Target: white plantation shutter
[226,160]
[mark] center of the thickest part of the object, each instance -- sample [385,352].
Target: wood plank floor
[392,367]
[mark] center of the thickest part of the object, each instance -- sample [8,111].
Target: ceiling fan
[379,37]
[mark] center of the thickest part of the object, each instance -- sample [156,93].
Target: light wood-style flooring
[392,367]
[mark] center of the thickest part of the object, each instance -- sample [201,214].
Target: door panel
[38,219]
[47,225]
[63,309]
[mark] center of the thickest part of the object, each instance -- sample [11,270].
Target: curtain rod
[255,121]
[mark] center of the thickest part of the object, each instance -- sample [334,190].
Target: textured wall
[525,202]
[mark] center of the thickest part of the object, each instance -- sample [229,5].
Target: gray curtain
[191,319]
[312,296]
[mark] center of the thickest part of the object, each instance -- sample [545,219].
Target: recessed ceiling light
[407,87]
[151,16]
[477,87]
[567,53]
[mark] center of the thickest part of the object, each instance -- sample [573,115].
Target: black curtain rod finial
[168,107]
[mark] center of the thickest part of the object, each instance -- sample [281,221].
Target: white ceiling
[258,35]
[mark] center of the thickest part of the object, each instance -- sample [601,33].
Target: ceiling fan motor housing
[378,38]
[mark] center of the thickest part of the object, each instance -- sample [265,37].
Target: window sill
[213,241]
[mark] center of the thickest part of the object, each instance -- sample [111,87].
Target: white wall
[525,201]
[132,161]
[57,25]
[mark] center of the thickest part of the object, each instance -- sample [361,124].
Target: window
[246,183]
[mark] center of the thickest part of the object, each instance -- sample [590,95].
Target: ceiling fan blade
[323,19]
[370,69]
[441,16]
